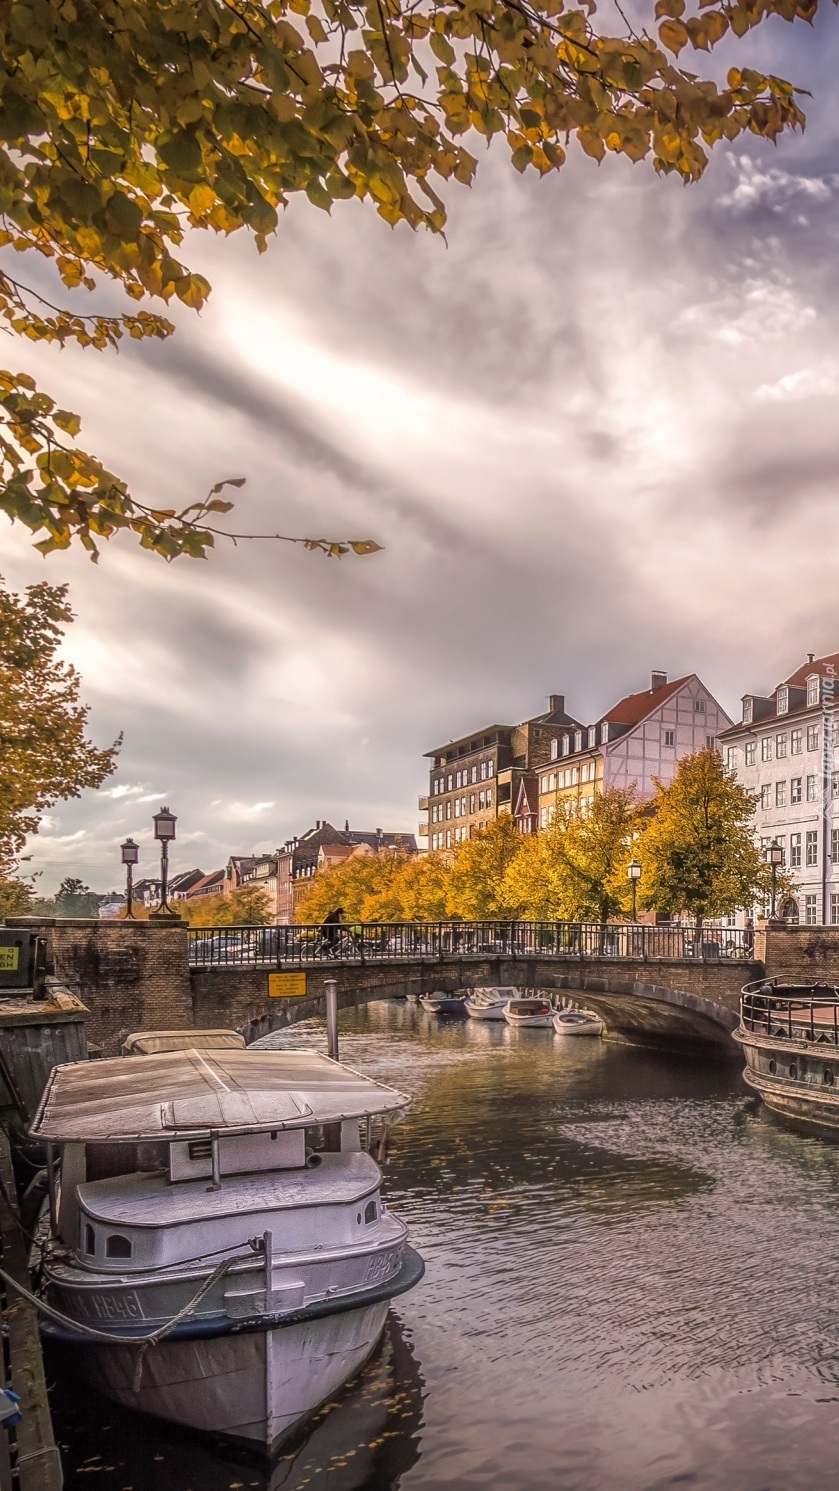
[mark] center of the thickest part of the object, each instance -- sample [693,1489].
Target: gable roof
[634,708]
[798,679]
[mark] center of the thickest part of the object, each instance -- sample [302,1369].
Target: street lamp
[129,853]
[164,832]
[633,871]
[775,857]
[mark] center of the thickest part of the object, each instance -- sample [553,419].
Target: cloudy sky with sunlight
[597,433]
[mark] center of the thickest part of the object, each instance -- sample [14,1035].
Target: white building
[784,750]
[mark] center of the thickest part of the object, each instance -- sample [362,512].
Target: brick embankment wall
[130,975]
[803,955]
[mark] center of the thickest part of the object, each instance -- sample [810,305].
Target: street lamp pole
[129,853]
[633,871]
[164,832]
[775,856]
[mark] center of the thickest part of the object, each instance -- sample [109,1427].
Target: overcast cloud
[596,434]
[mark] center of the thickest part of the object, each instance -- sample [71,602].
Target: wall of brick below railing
[800,954]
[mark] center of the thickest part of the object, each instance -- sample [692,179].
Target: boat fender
[10,1414]
[313,1160]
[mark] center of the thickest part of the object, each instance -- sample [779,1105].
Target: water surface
[632,1283]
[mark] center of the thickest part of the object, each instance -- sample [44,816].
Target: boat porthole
[772,1068]
[793,1071]
[828,1077]
[358,1218]
[371,1211]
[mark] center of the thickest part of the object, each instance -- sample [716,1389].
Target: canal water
[632,1283]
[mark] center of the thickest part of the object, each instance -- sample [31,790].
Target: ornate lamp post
[775,856]
[633,871]
[129,853]
[164,832]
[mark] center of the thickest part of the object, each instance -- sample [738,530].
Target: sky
[595,431]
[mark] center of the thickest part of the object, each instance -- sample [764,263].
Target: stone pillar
[130,975]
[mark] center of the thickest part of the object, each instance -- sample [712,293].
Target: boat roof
[147,1042]
[185,1094]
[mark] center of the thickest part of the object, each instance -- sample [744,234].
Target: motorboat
[790,1039]
[490,1003]
[444,1004]
[569,1022]
[529,1013]
[219,1252]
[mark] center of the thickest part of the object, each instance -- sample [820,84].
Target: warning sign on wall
[285,985]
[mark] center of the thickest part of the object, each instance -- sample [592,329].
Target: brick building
[301,858]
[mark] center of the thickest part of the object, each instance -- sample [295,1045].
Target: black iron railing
[792,1012]
[388,942]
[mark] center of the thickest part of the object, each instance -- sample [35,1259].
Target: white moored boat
[220,1254]
[489,1004]
[536,1013]
[577,1022]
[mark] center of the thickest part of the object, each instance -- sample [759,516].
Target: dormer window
[554,749]
[566,744]
[604,732]
[578,740]
[592,735]
[782,704]
[813,690]
[748,709]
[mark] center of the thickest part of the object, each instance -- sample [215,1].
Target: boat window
[772,1068]
[371,1211]
[828,1077]
[89,1239]
[793,1071]
[117,1246]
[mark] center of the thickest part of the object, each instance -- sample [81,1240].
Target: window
[574,775]
[554,749]
[834,844]
[813,689]
[552,783]
[449,809]
[669,737]
[747,710]
[604,732]
[780,794]
[483,771]
[474,773]
[766,749]
[450,780]
[117,1246]
[578,740]
[812,854]
[711,741]
[812,737]
[780,746]
[750,752]
[834,909]
[489,797]
[371,1211]
[592,735]
[811,789]
[766,795]
[543,817]
[490,768]
[796,789]
[699,706]
[795,851]
[795,743]
[471,802]
[783,700]
[566,744]
[835,788]
[731,758]
[448,838]
[810,911]
[89,1239]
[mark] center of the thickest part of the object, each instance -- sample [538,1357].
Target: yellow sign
[285,985]
[10,959]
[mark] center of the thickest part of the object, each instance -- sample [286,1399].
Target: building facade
[301,858]
[783,750]
[477,778]
[639,740]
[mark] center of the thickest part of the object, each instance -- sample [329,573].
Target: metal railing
[388,942]
[792,1012]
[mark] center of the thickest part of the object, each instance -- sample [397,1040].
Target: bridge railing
[389,942]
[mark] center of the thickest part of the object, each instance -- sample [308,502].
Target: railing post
[330,986]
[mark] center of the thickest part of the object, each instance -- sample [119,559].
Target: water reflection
[631,1284]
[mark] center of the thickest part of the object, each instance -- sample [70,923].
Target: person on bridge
[330,930]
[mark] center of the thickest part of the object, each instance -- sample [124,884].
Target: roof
[798,679]
[201,887]
[634,708]
[179,1094]
[186,880]
[465,739]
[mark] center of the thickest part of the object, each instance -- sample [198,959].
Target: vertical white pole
[331,989]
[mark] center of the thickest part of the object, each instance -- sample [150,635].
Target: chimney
[556,703]
[657,680]
[317,823]
[378,833]
[811,657]
[346,825]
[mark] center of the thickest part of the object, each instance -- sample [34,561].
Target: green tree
[74,898]
[45,756]
[575,869]
[697,852]
[126,123]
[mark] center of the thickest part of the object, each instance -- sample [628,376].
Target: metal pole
[164,876]
[634,901]
[774,887]
[129,891]
[330,986]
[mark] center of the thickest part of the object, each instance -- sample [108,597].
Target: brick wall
[800,954]
[130,975]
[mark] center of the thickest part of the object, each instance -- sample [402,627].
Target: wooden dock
[29,1456]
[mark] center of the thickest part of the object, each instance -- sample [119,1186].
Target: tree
[249,906]
[575,869]
[15,897]
[126,123]
[45,756]
[74,898]
[696,852]
[481,886]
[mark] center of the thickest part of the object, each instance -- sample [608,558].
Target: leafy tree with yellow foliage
[125,124]
[249,906]
[575,869]
[481,886]
[697,852]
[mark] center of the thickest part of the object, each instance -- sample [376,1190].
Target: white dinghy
[489,1004]
[220,1254]
[529,1013]
[577,1022]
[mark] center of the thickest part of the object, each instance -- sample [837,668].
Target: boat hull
[578,1028]
[811,1095]
[485,1012]
[528,1022]
[442,1005]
